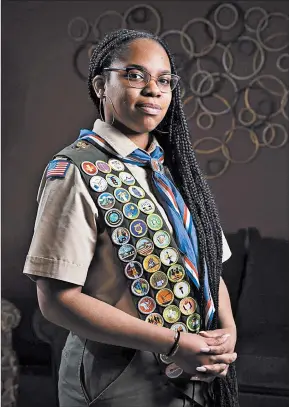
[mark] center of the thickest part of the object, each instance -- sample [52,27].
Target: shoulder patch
[57,168]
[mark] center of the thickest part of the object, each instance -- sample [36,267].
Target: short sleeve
[226,249]
[65,232]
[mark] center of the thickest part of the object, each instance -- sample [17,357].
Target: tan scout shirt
[65,244]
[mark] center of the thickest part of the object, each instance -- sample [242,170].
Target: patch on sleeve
[57,168]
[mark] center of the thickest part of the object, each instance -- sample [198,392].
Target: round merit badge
[106,200]
[130,210]
[176,273]
[103,166]
[169,256]
[165,297]
[194,323]
[89,168]
[97,183]
[182,289]
[179,326]
[171,314]
[154,222]
[166,359]
[152,263]
[116,165]
[113,180]
[173,371]
[133,270]
[144,246]
[138,228]
[158,280]
[137,192]
[146,206]
[127,253]
[146,305]
[127,178]
[113,217]
[122,195]
[188,306]
[140,287]
[162,239]
[155,319]
[120,236]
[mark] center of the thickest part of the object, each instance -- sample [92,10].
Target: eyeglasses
[139,79]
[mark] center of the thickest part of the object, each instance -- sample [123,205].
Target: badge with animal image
[136,191]
[146,305]
[152,263]
[176,273]
[144,246]
[122,195]
[115,164]
[120,236]
[106,200]
[127,253]
[133,270]
[140,287]
[155,319]
[162,239]
[138,228]
[127,178]
[146,206]
[169,256]
[165,297]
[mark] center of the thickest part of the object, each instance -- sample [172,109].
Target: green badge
[154,222]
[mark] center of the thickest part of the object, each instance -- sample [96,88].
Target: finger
[210,334]
[215,370]
[218,340]
[226,358]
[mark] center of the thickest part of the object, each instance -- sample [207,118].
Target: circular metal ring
[257,79]
[231,7]
[211,120]
[240,115]
[197,92]
[259,30]
[152,9]
[186,101]
[252,10]
[284,103]
[95,28]
[257,69]
[181,34]
[278,63]
[86,27]
[229,107]
[272,125]
[207,49]
[254,139]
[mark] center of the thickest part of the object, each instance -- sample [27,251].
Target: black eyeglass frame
[129,68]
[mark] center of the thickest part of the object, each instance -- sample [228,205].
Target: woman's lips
[149,108]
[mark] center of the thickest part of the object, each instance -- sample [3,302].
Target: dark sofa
[257,277]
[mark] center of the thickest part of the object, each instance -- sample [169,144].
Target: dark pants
[98,375]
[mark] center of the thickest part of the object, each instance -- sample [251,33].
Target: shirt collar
[117,140]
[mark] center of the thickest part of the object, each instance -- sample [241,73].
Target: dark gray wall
[44,104]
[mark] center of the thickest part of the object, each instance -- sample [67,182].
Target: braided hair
[186,172]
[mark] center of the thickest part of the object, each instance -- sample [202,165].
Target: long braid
[188,177]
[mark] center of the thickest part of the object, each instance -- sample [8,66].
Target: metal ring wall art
[235,77]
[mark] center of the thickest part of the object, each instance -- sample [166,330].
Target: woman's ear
[98,84]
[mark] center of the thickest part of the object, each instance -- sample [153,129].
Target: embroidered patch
[57,168]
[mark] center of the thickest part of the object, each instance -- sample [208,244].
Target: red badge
[89,168]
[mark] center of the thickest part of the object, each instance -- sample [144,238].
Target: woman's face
[137,110]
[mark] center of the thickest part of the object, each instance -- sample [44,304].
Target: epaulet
[57,168]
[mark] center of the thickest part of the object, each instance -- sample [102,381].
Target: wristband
[175,346]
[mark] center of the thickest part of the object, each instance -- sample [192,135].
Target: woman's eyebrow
[142,68]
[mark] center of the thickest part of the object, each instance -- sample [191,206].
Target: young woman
[127,249]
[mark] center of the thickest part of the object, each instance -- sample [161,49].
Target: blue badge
[113,217]
[113,180]
[120,236]
[138,228]
[122,195]
[106,200]
[130,211]
[127,253]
